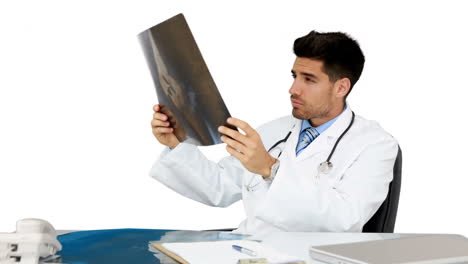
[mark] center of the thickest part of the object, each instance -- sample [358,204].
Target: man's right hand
[162,129]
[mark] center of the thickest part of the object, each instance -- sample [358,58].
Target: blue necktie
[306,137]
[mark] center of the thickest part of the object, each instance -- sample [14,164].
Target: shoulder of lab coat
[275,130]
[348,201]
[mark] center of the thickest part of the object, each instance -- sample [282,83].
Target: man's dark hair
[341,55]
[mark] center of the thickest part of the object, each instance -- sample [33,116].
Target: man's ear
[342,87]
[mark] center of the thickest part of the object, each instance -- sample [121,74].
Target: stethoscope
[324,167]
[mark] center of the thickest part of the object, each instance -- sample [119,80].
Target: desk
[123,246]
[118,246]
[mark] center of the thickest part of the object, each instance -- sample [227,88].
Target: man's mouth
[296,103]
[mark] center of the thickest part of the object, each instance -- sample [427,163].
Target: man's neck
[316,122]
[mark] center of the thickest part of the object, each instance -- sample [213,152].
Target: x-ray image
[184,85]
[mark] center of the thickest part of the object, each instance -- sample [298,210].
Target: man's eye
[294,76]
[309,80]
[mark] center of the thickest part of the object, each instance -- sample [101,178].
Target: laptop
[419,249]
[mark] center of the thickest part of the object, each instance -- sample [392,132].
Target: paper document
[215,252]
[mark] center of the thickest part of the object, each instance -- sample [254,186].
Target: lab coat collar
[337,128]
[324,142]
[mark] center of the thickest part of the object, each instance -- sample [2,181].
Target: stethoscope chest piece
[325,167]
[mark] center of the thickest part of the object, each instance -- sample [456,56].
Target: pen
[244,250]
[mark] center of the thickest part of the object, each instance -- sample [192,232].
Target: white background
[76,103]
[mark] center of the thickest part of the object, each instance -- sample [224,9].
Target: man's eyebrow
[305,74]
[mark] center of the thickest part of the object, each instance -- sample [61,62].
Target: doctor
[323,168]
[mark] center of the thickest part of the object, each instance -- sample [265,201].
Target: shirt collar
[320,129]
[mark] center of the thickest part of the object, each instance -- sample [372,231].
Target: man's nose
[295,89]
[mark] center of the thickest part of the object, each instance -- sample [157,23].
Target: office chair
[383,221]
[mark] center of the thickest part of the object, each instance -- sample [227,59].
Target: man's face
[312,93]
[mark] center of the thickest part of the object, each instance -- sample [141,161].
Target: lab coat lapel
[292,140]
[324,142]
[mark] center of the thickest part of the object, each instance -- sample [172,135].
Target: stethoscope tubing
[324,166]
[334,146]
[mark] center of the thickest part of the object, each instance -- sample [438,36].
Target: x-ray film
[184,85]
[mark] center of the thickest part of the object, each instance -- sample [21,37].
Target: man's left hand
[248,148]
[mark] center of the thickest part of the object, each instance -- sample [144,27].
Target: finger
[235,153]
[233,134]
[163,130]
[234,144]
[160,116]
[159,123]
[157,107]
[242,125]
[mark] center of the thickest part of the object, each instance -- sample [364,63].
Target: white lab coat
[300,198]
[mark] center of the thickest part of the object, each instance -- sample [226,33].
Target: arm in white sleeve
[344,205]
[187,171]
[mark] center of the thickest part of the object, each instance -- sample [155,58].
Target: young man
[280,170]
